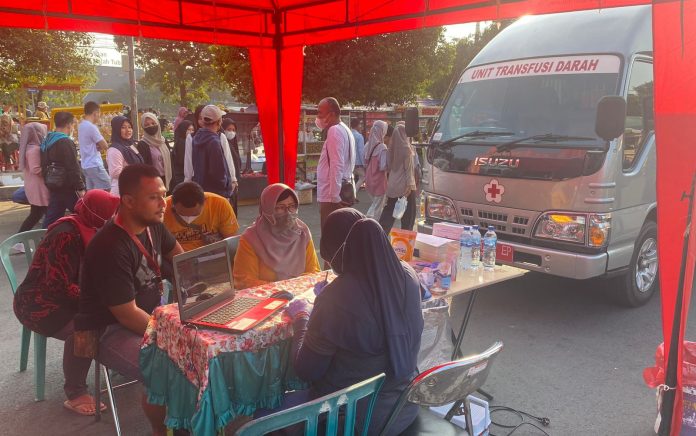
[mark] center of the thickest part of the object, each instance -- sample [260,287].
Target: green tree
[38,56]
[461,54]
[389,68]
[181,70]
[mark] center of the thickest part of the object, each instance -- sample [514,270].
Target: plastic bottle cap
[491,228]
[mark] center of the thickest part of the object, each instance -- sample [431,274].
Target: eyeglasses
[280,208]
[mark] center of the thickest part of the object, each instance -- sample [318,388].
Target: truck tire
[638,285]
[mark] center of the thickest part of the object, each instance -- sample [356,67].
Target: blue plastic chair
[30,240]
[309,412]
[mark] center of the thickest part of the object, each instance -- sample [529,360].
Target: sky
[106,49]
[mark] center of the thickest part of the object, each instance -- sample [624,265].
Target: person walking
[181,134]
[59,157]
[9,142]
[376,154]
[210,166]
[401,181]
[37,193]
[92,143]
[180,116]
[154,149]
[42,111]
[337,160]
[229,129]
[359,152]
[123,151]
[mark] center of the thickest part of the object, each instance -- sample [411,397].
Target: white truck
[548,136]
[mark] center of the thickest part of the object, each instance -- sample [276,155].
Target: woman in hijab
[47,300]
[277,246]
[401,181]
[30,165]
[180,116]
[367,321]
[182,131]
[8,142]
[154,149]
[122,151]
[229,129]
[376,168]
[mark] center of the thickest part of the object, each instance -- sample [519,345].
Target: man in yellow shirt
[198,218]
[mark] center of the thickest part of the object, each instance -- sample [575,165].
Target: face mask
[189,219]
[230,135]
[320,123]
[151,130]
[285,221]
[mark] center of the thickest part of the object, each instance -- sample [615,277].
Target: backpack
[54,174]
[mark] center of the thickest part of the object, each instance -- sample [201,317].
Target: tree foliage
[458,54]
[388,68]
[39,56]
[181,70]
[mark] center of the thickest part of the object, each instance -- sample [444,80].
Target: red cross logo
[494,191]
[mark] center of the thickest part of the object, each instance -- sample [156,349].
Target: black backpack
[54,174]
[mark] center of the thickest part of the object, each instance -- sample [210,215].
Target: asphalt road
[569,355]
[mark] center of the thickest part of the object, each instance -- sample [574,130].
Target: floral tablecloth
[182,366]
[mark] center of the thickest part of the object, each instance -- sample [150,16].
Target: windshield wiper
[474,134]
[547,137]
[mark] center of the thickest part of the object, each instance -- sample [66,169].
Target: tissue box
[448,230]
[480,416]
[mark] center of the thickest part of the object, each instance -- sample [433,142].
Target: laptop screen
[204,276]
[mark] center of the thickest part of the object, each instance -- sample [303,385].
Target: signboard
[586,64]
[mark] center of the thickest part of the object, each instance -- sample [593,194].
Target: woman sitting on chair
[277,246]
[366,322]
[47,299]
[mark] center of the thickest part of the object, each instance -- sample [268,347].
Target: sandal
[83,405]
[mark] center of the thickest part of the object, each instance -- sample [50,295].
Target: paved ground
[570,355]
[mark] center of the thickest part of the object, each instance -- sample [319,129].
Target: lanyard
[149,256]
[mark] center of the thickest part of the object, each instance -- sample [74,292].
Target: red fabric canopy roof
[276,30]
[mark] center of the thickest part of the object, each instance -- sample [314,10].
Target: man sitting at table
[198,218]
[121,283]
[278,245]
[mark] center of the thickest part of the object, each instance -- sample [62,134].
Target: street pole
[133,91]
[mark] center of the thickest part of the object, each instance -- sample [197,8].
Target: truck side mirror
[411,116]
[611,117]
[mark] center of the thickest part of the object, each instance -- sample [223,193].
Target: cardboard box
[448,230]
[305,196]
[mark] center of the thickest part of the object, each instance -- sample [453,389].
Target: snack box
[448,230]
[403,243]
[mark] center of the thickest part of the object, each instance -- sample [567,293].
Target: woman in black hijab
[367,321]
[229,129]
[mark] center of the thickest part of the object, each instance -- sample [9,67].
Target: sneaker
[18,247]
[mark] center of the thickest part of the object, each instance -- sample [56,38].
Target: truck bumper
[549,261]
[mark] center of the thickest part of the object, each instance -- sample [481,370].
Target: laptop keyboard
[230,311]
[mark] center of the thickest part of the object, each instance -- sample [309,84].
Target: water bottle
[475,247]
[489,241]
[465,250]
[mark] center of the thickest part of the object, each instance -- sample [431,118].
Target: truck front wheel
[642,280]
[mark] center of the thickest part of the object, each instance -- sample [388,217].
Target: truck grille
[516,225]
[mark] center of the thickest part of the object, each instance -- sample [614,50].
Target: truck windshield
[529,97]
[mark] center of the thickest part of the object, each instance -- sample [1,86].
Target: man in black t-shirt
[121,282]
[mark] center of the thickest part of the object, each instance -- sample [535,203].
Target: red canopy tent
[275,32]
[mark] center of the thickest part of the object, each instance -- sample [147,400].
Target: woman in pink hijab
[278,246]
[30,165]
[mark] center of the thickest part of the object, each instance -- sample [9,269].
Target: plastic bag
[399,208]
[436,347]
[20,196]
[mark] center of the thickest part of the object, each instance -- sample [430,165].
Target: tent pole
[133,89]
[278,44]
[668,399]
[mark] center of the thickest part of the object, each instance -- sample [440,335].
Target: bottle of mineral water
[489,241]
[475,247]
[465,248]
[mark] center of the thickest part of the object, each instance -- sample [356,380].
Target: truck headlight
[561,227]
[440,208]
[599,226]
